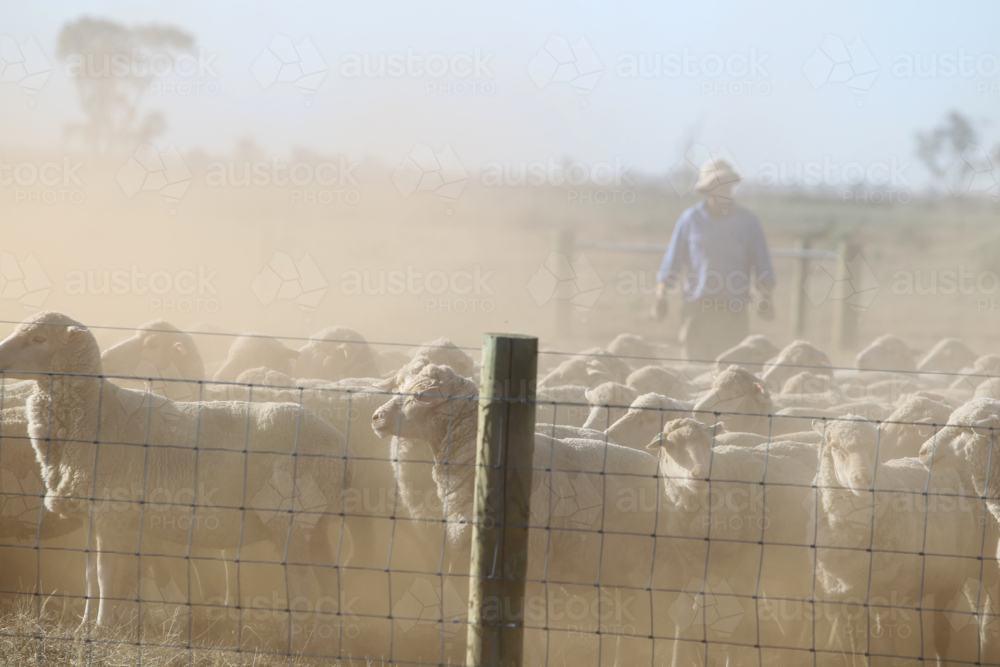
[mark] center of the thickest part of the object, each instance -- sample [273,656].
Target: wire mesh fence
[836,520]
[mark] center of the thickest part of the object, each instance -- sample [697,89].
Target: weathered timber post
[799,290]
[845,318]
[504,454]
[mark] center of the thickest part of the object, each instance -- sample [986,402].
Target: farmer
[719,251]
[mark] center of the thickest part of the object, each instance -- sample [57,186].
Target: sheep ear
[925,430]
[720,428]
[657,442]
[819,426]
[74,330]
[760,392]
[179,346]
[986,427]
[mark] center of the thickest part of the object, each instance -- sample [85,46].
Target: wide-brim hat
[717,177]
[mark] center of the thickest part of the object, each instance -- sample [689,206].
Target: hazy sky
[763,108]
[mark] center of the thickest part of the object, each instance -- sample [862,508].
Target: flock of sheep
[766,508]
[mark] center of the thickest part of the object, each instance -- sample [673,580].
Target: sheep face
[887,353]
[904,439]
[39,345]
[426,406]
[849,449]
[737,392]
[643,421]
[685,447]
[968,447]
[608,403]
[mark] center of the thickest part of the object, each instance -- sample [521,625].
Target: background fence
[446,523]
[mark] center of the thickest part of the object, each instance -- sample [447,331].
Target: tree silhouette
[106,61]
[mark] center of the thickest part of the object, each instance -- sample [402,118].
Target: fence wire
[228,532]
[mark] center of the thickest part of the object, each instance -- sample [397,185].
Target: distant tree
[109,64]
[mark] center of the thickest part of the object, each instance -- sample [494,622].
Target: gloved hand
[660,309]
[765,309]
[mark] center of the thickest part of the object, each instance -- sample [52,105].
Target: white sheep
[336,353]
[255,350]
[575,488]
[796,357]
[579,370]
[659,380]
[950,355]
[909,426]
[741,397]
[635,350]
[159,354]
[737,521]
[564,405]
[608,403]
[986,366]
[895,536]
[645,419]
[887,353]
[104,448]
[751,353]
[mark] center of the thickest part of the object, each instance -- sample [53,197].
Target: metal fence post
[504,455]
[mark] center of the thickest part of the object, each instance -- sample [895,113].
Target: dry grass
[27,638]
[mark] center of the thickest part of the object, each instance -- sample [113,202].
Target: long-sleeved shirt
[718,257]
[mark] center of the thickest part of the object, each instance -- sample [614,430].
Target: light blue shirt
[718,257]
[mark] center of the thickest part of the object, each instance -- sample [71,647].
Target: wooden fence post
[801,271]
[845,320]
[504,459]
[564,245]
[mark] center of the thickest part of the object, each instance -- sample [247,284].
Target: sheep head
[253,350]
[428,403]
[608,403]
[950,355]
[685,447]
[965,447]
[849,445]
[888,353]
[741,395]
[49,342]
[336,353]
[645,418]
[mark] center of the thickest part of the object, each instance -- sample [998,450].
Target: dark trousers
[709,327]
